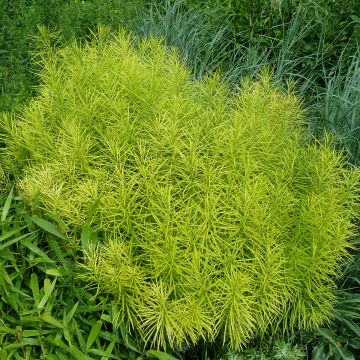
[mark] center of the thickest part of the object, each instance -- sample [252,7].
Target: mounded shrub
[220,220]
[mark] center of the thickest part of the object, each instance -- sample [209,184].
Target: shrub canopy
[219,219]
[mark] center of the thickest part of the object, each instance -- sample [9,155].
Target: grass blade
[93,334]
[47,226]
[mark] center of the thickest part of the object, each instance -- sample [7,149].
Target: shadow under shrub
[221,220]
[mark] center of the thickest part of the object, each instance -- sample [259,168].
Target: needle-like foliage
[221,221]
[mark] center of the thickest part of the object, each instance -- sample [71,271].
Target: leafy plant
[339,108]
[74,18]
[220,220]
[44,312]
[341,338]
[278,349]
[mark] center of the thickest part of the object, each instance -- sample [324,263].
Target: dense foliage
[220,221]
[44,313]
[18,26]
[330,25]
[325,77]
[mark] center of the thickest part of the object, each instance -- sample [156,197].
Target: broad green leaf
[47,226]
[355,18]
[35,333]
[88,238]
[110,348]
[67,335]
[6,330]
[53,216]
[34,286]
[37,251]
[50,320]
[76,353]
[346,354]
[104,354]
[354,343]
[321,352]
[7,204]
[71,313]
[13,241]
[48,291]
[80,336]
[24,342]
[85,237]
[352,325]
[93,334]
[59,255]
[351,298]
[328,334]
[10,233]
[160,355]
[54,272]
[59,356]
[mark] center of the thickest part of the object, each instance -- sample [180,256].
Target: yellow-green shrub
[220,220]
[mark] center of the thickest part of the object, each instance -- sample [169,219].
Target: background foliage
[18,26]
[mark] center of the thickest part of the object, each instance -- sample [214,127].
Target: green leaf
[6,330]
[85,237]
[160,355]
[48,292]
[50,320]
[328,334]
[59,255]
[79,335]
[35,333]
[355,18]
[7,204]
[110,347]
[9,234]
[70,315]
[352,326]
[47,226]
[104,354]
[93,334]
[13,241]
[346,354]
[321,352]
[37,251]
[54,272]
[76,353]
[34,286]
[350,299]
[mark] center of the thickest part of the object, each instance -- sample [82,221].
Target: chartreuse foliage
[221,220]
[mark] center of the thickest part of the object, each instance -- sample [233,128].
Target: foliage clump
[220,220]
